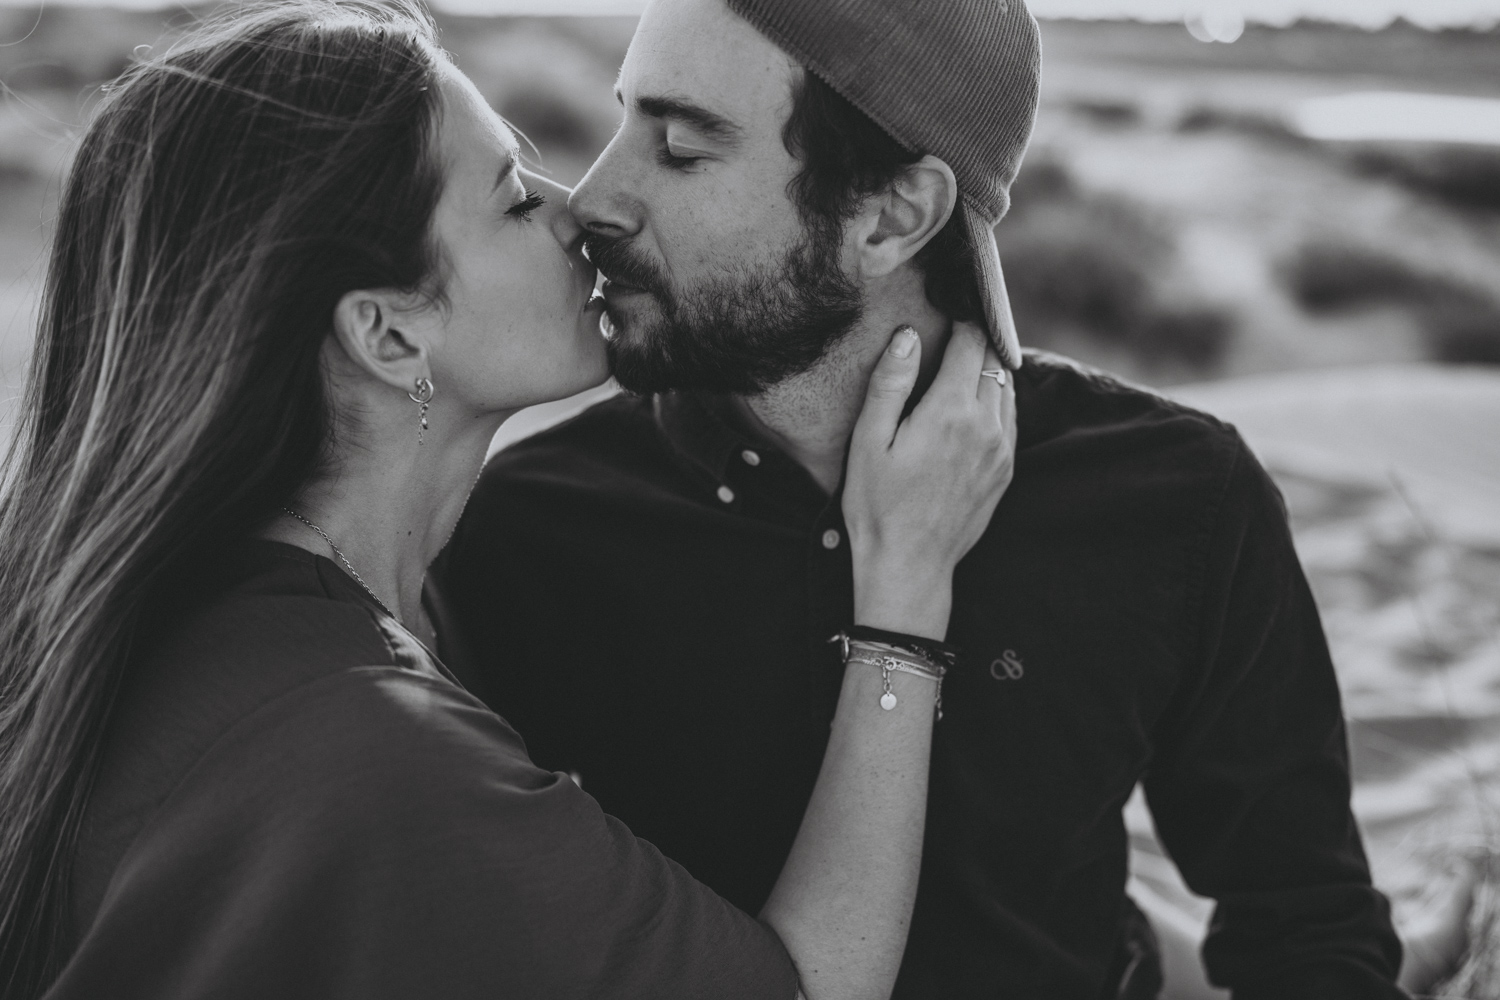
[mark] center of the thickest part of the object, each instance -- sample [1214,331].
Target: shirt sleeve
[378,834]
[1250,788]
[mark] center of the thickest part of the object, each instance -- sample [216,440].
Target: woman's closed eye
[522,209]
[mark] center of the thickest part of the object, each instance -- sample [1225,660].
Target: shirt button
[830,539]
[726,494]
[750,457]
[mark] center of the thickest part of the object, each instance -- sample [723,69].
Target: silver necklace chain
[345,560]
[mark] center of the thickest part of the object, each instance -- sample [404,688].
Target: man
[648,590]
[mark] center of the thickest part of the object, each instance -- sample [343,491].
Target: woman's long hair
[225,196]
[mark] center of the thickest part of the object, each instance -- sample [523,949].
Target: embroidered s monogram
[1008,668]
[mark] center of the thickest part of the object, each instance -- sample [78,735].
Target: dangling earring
[423,395]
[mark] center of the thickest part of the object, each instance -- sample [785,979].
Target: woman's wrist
[903,596]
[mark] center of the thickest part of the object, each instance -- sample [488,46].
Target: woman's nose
[564,227]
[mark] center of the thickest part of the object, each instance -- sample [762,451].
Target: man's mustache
[619,260]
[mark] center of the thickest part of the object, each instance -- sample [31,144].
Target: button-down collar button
[726,494]
[750,457]
[830,539]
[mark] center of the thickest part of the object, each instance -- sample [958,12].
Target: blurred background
[1284,212]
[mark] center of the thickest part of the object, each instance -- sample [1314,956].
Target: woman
[299,280]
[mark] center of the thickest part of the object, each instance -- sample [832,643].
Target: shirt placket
[755,480]
[759,474]
[830,605]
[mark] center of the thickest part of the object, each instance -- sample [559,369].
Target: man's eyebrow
[705,121]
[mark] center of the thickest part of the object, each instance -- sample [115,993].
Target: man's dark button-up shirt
[649,590]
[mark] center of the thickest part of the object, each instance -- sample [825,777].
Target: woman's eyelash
[523,208]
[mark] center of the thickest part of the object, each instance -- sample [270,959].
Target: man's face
[714,282]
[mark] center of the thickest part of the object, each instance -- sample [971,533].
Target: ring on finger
[998,374]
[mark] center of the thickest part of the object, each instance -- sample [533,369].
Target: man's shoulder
[1070,397]
[1069,408]
[1094,434]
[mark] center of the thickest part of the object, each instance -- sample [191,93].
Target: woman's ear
[365,324]
[897,223]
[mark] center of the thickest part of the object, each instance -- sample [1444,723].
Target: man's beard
[743,333]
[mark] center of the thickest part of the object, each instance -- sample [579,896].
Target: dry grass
[1479,976]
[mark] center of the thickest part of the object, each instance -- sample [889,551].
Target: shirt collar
[697,425]
[743,469]
[708,437]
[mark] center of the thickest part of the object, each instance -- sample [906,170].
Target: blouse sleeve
[380,834]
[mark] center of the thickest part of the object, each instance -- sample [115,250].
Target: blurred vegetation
[1207,118]
[1467,177]
[1086,264]
[1462,322]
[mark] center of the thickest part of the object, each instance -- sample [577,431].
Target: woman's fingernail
[905,342]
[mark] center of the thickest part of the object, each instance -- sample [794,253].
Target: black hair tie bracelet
[897,651]
[940,653]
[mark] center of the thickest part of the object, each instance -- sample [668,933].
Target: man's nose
[602,202]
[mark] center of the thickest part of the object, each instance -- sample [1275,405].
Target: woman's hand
[919,492]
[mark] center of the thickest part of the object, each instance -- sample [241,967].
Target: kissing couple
[837,643]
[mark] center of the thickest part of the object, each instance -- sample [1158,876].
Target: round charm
[887,701]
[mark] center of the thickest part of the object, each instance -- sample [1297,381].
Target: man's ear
[366,325]
[897,223]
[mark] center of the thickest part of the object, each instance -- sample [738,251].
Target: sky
[1370,13]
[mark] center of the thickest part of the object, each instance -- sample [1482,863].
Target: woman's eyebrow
[506,169]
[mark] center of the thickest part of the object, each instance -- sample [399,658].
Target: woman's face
[518,327]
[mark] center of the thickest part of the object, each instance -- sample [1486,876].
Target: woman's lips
[599,309]
[613,294]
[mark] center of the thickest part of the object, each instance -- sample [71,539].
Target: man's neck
[812,415]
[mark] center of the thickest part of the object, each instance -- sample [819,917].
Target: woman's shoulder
[302,806]
[381,834]
[358,753]
[276,624]
[367,751]
[384,833]
[277,620]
